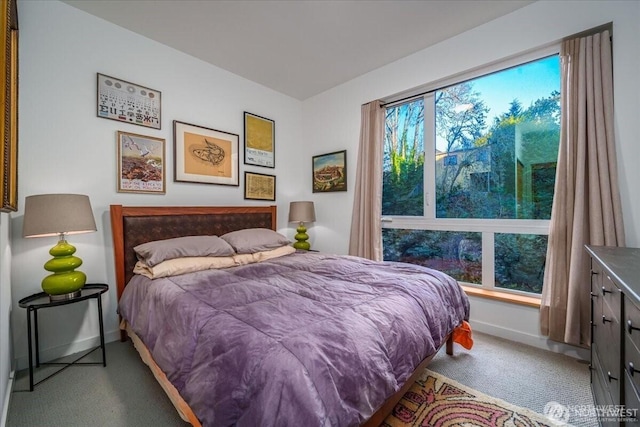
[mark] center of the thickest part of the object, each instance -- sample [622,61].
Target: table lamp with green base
[59,214]
[302,212]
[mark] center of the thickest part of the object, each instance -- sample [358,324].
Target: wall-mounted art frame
[330,172]
[128,102]
[259,141]
[205,155]
[141,164]
[9,107]
[258,186]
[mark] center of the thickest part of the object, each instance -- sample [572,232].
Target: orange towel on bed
[463,336]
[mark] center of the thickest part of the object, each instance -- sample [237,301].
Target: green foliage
[520,261]
[456,253]
[403,169]
[403,191]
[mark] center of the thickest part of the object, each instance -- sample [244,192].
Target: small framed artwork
[128,102]
[258,186]
[141,164]
[204,155]
[259,141]
[330,172]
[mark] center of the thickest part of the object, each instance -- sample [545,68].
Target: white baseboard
[67,349]
[532,340]
[5,404]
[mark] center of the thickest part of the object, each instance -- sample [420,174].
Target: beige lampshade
[302,212]
[53,214]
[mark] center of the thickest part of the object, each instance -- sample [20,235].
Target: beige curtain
[586,204]
[366,238]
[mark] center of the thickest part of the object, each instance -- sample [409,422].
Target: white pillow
[178,266]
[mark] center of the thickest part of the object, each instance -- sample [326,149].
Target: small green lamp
[302,212]
[59,214]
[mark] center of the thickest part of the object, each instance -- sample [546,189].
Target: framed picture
[141,164]
[259,141]
[330,172]
[128,102]
[204,155]
[258,186]
[9,107]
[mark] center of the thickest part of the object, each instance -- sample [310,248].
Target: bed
[279,337]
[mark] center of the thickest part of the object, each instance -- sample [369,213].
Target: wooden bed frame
[132,226]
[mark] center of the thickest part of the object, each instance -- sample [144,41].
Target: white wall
[333,117]
[64,147]
[6,356]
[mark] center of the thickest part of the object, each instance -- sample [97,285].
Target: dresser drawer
[607,331]
[632,362]
[612,297]
[599,387]
[596,318]
[608,347]
[632,322]
[631,403]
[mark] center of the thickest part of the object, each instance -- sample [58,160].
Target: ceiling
[299,48]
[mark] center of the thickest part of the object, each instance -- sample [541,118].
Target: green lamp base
[301,238]
[65,282]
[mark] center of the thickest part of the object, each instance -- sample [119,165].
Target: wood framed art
[330,172]
[9,106]
[259,186]
[204,155]
[128,102]
[259,141]
[141,164]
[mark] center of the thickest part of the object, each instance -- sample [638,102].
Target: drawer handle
[594,273]
[611,377]
[630,327]
[631,369]
[605,320]
[594,295]
[605,291]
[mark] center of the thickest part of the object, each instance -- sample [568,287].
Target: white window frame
[487,227]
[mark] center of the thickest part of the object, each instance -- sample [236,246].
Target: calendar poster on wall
[128,102]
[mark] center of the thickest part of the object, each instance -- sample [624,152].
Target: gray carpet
[126,394]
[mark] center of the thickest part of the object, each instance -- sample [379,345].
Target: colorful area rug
[437,401]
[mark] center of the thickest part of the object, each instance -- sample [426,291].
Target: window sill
[502,296]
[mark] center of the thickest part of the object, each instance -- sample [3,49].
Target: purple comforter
[302,340]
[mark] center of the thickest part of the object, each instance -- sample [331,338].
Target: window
[451,160]
[469,173]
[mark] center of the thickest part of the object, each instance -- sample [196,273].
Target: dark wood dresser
[615,333]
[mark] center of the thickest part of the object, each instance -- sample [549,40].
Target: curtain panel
[366,237]
[586,203]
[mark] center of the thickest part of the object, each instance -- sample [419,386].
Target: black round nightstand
[41,300]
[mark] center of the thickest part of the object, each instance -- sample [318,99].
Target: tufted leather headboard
[131,226]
